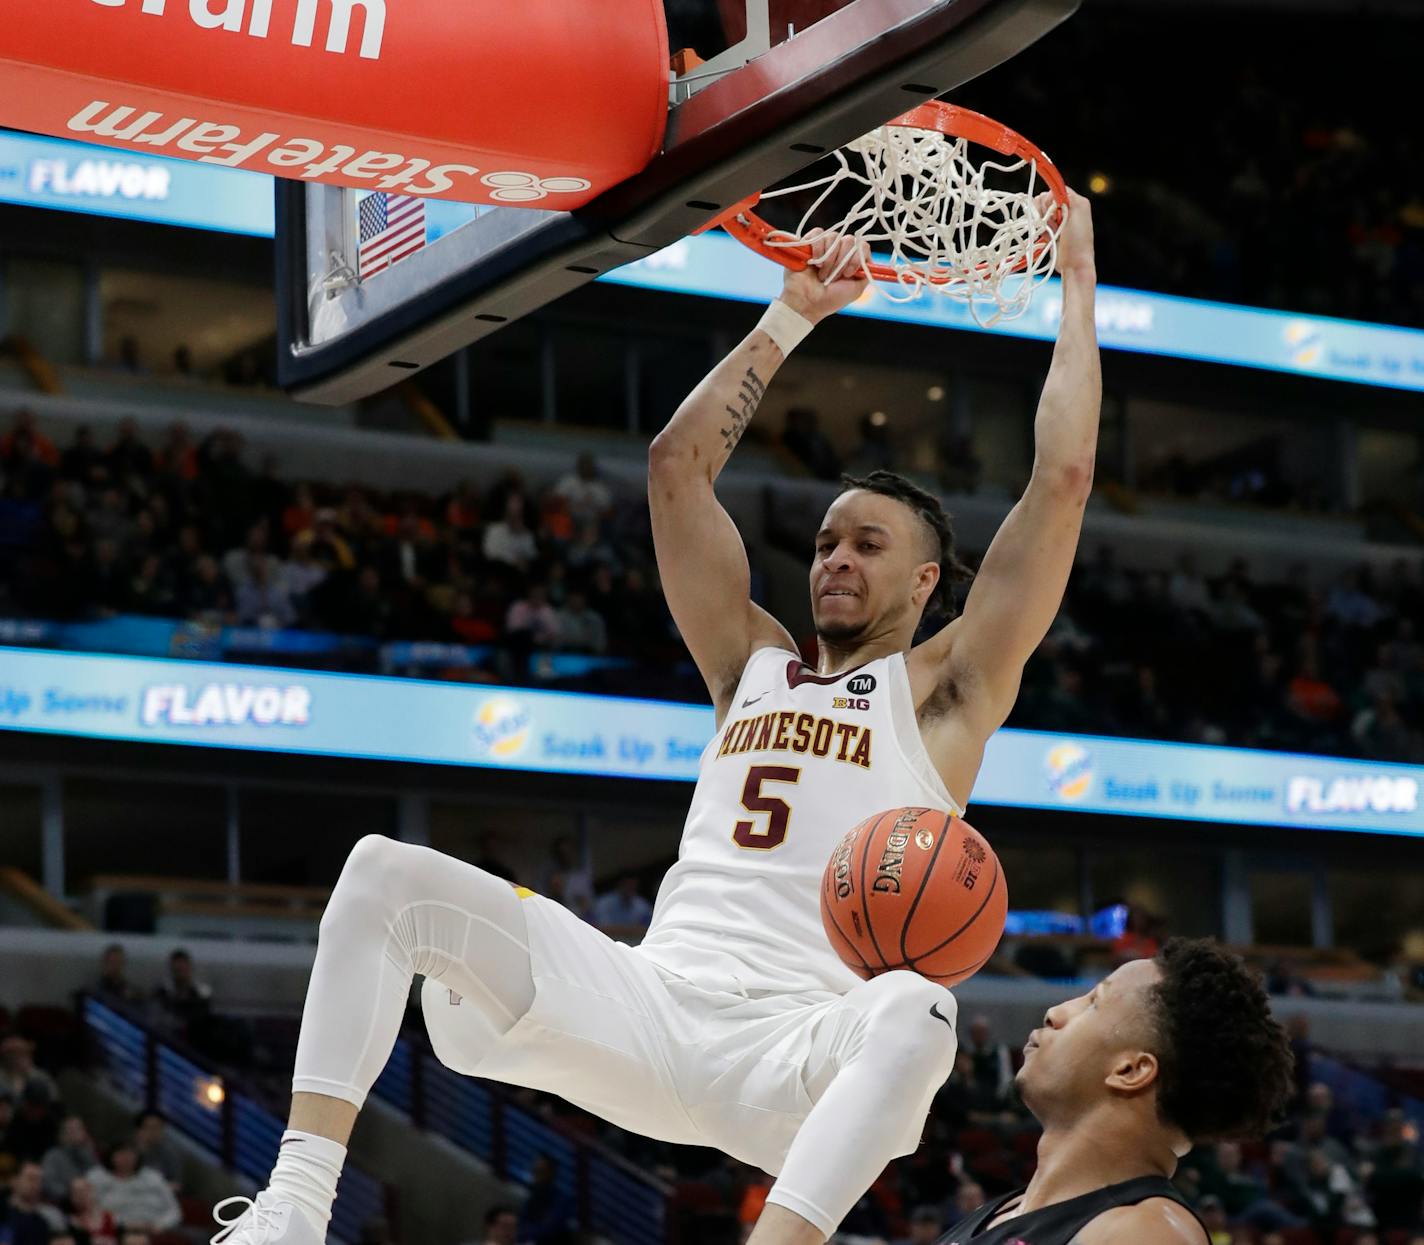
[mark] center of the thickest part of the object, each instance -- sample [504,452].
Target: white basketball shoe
[264,1220]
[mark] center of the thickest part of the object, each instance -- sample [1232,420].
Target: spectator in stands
[1396,1181]
[18,1072]
[411,557]
[263,597]
[178,456]
[926,1227]
[367,609]
[1351,606]
[9,1158]
[501,1226]
[1317,1195]
[304,574]
[584,490]
[469,623]
[992,1063]
[28,1219]
[25,429]
[150,591]
[623,908]
[138,1198]
[532,623]
[83,463]
[326,544]
[89,1223]
[1309,696]
[254,557]
[129,458]
[72,1156]
[157,1150]
[1213,1217]
[1244,1195]
[548,1216]
[109,519]
[1140,938]
[968,1198]
[206,596]
[1311,1136]
[556,524]
[808,445]
[183,999]
[590,551]
[510,541]
[572,875]
[1186,588]
[462,510]
[580,629]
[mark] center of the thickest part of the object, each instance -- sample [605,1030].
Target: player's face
[867,573]
[1069,1059]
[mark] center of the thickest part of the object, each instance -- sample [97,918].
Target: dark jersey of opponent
[1058,1224]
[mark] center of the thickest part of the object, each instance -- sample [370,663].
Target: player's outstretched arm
[701,558]
[1020,583]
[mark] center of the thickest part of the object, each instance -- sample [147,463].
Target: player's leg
[877,1059]
[397,910]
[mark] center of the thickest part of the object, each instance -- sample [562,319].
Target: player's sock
[308,1167]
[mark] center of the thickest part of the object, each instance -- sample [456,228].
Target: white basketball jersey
[800,760]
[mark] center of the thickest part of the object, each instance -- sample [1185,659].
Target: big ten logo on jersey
[850,702]
[892,859]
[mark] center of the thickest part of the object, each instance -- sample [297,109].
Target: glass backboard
[374,287]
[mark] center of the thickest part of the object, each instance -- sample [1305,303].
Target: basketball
[914,888]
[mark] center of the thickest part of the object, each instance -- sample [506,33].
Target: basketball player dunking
[1162,1055]
[735,1025]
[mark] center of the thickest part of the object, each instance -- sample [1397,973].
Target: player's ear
[1133,1071]
[926,580]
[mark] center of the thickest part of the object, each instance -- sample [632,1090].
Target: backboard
[779,83]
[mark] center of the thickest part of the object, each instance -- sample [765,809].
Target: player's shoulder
[1156,1221]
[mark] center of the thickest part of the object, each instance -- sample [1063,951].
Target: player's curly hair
[932,511]
[1226,1066]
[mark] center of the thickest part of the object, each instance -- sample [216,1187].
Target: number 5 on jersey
[751,834]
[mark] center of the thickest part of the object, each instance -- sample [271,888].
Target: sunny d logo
[1303,340]
[1070,771]
[501,728]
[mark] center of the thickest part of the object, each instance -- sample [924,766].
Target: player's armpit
[1157,1221]
[1015,597]
[706,579]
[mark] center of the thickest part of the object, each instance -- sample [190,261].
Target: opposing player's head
[1181,1048]
[884,557]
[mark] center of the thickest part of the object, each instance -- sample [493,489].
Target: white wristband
[785,327]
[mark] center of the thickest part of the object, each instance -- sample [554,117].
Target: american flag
[392,227]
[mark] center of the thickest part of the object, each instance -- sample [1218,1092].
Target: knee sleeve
[398,910]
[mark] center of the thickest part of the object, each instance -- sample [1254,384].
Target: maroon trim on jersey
[798,672]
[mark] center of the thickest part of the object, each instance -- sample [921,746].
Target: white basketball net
[925,208]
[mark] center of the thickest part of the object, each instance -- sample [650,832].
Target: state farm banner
[541,102]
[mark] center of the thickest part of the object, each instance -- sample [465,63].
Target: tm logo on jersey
[799,732]
[861,685]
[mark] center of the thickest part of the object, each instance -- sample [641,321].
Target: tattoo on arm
[749,397]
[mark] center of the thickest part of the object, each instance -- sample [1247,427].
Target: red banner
[545,103]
